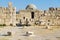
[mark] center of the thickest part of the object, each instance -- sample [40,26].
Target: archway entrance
[32,15]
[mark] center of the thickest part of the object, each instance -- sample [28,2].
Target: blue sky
[40,4]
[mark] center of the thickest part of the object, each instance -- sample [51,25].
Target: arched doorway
[32,15]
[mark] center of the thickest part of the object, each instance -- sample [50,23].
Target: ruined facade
[37,17]
[8,15]
[29,16]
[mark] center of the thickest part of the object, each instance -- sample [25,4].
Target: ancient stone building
[38,17]
[8,15]
[31,15]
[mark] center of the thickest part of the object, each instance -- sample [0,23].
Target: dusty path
[39,33]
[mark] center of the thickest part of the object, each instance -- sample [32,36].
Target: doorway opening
[32,15]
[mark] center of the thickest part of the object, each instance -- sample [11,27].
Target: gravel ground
[39,33]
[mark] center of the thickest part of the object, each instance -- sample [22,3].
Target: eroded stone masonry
[29,16]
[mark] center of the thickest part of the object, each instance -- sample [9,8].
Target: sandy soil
[40,33]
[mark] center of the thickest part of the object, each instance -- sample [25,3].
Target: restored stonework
[34,16]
